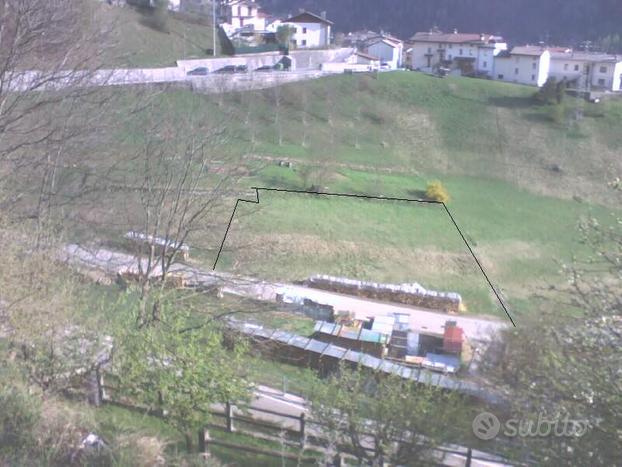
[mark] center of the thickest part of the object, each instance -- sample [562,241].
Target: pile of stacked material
[409,294]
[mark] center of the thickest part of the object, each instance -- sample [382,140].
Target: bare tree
[183,175]
[50,64]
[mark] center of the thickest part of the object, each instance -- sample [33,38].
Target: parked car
[230,69]
[200,71]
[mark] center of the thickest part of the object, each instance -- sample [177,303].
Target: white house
[462,52]
[388,49]
[312,31]
[242,14]
[524,65]
[586,71]
[361,58]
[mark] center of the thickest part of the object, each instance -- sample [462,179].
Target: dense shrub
[557,113]
[437,192]
[552,92]
[19,413]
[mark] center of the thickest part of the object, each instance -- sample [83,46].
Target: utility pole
[214,27]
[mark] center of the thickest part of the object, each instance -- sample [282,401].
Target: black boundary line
[368,197]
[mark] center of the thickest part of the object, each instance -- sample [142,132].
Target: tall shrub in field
[437,192]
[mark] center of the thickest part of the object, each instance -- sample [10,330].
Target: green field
[519,182]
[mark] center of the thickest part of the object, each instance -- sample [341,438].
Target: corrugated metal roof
[361,334]
[334,351]
[376,364]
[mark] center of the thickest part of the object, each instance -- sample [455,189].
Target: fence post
[303,424]
[468,458]
[202,444]
[229,415]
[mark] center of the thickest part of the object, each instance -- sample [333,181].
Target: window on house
[429,50]
[516,71]
[485,64]
[576,68]
[601,82]
[239,11]
[603,69]
[449,57]
[500,76]
[304,42]
[451,46]
[565,66]
[533,77]
[294,42]
[460,51]
[534,66]
[304,30]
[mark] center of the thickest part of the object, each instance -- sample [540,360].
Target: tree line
[556,21]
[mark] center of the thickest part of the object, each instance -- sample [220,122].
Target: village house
[585,71]
[362,58]
[524,65]
[461,53]
[242,14]
[388,49]
[312,31]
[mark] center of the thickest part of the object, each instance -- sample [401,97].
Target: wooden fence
[310,438]
[305,439]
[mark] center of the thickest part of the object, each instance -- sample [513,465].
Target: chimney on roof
[455,31]
[323,14]
[482,37]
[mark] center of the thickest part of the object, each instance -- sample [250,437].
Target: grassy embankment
[137,44]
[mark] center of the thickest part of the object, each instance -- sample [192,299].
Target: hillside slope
[413,123]
[519,181]
[136,44]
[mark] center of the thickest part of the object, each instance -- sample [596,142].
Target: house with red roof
[461,53]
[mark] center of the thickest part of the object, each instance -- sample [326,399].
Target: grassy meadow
[138,45]
[519,181]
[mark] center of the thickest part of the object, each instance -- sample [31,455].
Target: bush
[557,113]
[156,17]
[19,414]
[437,192]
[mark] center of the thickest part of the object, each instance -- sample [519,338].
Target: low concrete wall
[250,81]
[302,60]
[337,67]
[306,64]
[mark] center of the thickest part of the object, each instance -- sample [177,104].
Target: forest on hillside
[567,22]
